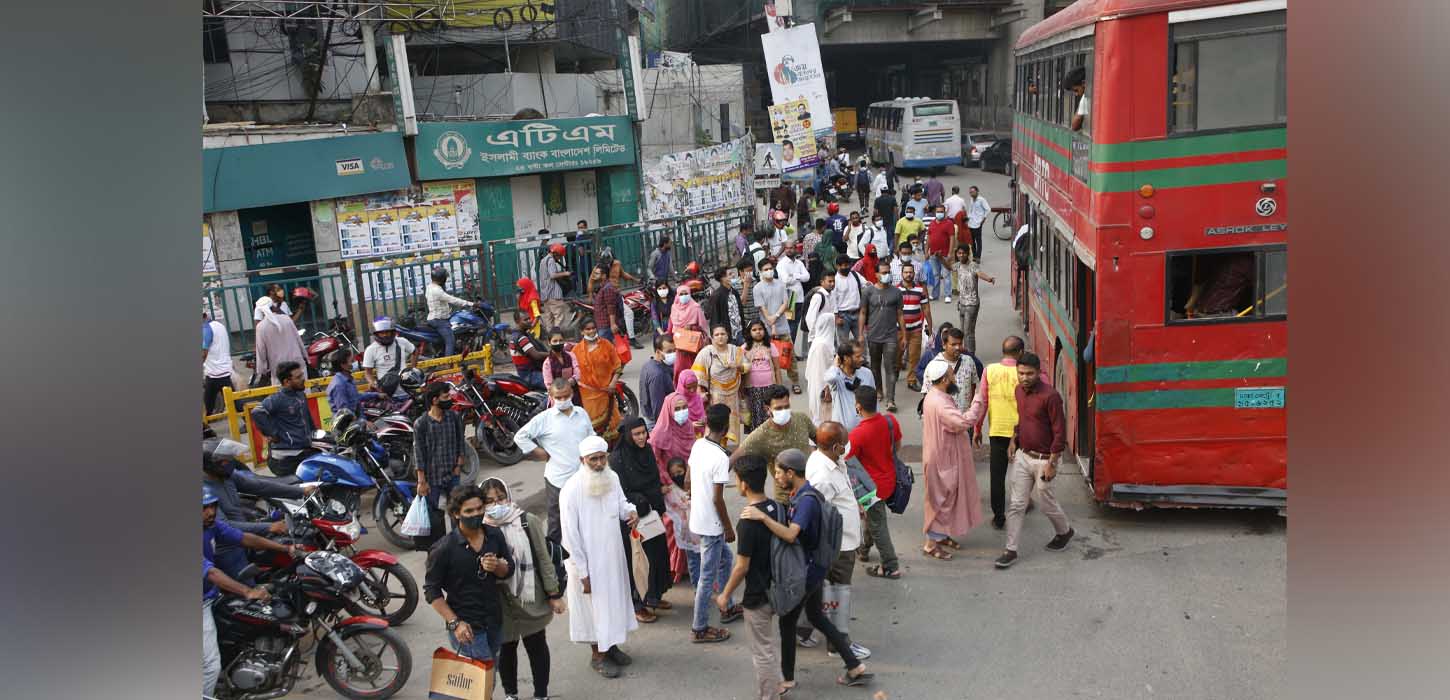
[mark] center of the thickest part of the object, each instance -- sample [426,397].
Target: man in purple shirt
[1037,443]
[935,192]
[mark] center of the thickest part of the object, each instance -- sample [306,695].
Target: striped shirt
[437,445]
[911,300]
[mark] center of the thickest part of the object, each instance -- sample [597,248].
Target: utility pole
[625,57]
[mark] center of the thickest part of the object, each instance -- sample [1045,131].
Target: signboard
[790,123]
[439,215]
[767,165]
[1259,397]
[521,147]
[793,60]
[700,181]
[246,177]
[776,14]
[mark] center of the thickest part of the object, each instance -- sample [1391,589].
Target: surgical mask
[767,274]
[875,222]
[940,216]
[591,337]
[472,522]
[662,292]
[682,415]
[910,215]
[847,449]
[737,283]
[564,404]
[498,511]
[557,347]
[670,358]
[780,416]
[682,300]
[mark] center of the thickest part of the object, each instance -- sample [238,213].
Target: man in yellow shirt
[999,389]
[908,225]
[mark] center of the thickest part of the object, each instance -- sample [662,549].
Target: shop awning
[241,177]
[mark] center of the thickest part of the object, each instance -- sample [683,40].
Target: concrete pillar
[329,253]
[226,238]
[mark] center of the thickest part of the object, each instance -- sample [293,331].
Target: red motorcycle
[324,343]
[497,406]
[635,303]
[389,591]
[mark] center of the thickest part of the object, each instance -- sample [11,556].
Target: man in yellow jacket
[999,388]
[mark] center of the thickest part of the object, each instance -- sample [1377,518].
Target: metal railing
[233,304]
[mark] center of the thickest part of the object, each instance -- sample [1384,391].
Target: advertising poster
[767,165]
[439,215]
[385,232]
[791,124]
[700,181]
[793,60]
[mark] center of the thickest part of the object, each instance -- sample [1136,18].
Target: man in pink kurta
[953,503]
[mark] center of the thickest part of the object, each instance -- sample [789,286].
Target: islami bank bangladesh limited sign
[498,149]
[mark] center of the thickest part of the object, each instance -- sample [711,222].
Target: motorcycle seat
[289,480]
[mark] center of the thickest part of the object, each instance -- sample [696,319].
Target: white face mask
[662,292]
[682,415]
[846,451]
[940,216]
[910,215]
[591,337]
[669,358]
[875,222]
[564,405]
[780,416]
[767,274]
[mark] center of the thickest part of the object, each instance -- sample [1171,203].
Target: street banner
[790,124]
[674,60]
[793,59]
[700,181]
[437,215]
[447,150]
[776,14]
[767,165]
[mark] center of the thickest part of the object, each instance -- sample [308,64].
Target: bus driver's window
[1211,285]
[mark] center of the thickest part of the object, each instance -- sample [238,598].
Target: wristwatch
[451,624]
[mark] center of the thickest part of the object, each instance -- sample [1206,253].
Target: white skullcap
[592,445]
[936,369]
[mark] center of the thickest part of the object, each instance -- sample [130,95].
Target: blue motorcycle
[356,465]
[474,329]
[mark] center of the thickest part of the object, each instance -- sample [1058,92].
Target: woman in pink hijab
[673,438]
[686,315]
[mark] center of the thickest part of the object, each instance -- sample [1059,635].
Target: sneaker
[948,299]
[1059,543]
[510,697]
[807,642]
[861,653]
[1007,559]
[891,406]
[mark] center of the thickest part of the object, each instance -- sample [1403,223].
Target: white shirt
[877,236]
[954,204]
[978,212]
[847,293]
[218,361]
[819,301]
[381,358]
[794,273]
[264,304]
[878,185]
[855,245]
[560,436]
[829,477]
[778,238]
[709,465]
[441,303]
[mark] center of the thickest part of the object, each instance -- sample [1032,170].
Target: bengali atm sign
[449,150]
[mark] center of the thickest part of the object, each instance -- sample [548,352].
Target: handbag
[456,677]
[689,339]
[415,523]
[787,353]
[650,526]
[621,346]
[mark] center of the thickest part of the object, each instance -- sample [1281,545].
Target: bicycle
[1002,223]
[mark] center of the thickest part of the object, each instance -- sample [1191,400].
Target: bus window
[1233,285]
[934,110]
[1228,73]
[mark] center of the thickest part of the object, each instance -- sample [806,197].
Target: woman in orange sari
[599,369]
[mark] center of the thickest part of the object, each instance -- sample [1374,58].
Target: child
[685,545]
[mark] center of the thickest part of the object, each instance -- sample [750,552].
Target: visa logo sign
[351,166]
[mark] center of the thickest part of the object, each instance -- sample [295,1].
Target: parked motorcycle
[262,643]
[475,330]
[635,302]
[497,406]
[345,480]
[324,343]
[390,592]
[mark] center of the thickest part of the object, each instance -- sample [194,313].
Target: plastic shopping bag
[836,604]
[415,523]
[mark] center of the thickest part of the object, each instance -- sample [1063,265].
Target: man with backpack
[755,552]
[814,525]
[826,471]
[874,442]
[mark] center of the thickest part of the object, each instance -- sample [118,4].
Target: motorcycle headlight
[352,529]
[311,607]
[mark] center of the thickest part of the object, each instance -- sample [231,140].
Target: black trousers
[977,241]
[657,551]
[812,609]
[999,475]
[508,664]
[212,390]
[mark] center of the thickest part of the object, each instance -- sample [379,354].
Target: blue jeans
[715,561]
[942,280]
[445,329]
[533,379]
[692,561]
[485,645]
[607,334]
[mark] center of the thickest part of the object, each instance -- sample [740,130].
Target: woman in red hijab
[867,265]
[529,303]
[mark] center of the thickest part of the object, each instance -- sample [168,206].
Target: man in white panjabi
[591,506]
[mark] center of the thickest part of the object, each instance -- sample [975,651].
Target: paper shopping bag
[459,677]
[650,526]
[638,563]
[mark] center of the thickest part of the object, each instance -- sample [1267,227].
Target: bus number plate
[1259,397]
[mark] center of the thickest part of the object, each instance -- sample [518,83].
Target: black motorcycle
[262,644]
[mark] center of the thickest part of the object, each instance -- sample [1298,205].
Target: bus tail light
[1146,191]
[1146,211]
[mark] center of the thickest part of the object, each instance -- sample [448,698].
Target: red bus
[1154,270]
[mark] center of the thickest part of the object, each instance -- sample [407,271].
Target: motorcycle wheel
[388,511]
[472,467]
[373,647]
[628,403]
[378,599]
[400,458]
[499,448]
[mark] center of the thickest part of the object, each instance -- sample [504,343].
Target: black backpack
[557,555]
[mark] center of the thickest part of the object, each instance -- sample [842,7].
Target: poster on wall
[400,277]
[437,215]
[790,123]
[793,60]
[767,165]
[700,181]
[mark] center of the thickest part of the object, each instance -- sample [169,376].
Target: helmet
[219,456]
[833,208]
[382,324]
[693,268]
[303,293]
[440,274]
[557,249]
[779,215]
[411,379]
[347,429]
[208,497]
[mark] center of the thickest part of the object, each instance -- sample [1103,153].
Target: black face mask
[557,347]
[472,522]
[445,404]
[679,480]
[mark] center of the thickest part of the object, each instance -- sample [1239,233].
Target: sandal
[880,571]
[786,688]
[734,613]
[937,553]
[859,679]
[951,543]
[796,389]
[709,635]
[660,605]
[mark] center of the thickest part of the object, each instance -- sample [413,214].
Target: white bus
[914,132]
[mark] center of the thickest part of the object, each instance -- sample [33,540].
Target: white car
[974,143]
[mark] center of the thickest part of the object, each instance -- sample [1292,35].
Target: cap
[592,445]
[382,325]
[208,497]
[936,369]
[792,459]
[779,215]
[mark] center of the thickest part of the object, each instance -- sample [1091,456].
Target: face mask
[564,404]
[557,347]
[682,300]
[662,292]
[472,522]
[875,222]
[679,480]
[910,215]
[737,283]
[669,358]
[591,337]
[682,415]
[780,416]
[768,274]
[498,511]
[445,404]
[846,450]
[940,216]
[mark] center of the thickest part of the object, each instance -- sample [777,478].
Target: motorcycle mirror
[319,434]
